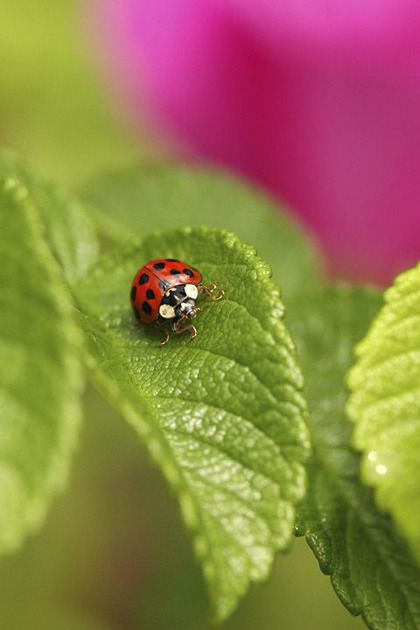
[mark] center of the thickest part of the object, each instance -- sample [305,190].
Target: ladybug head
[187,308]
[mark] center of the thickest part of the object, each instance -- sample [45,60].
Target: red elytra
[153,280]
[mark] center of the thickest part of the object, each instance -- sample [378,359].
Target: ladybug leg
[190,327]
[165,335]
[179,327]
[210,291]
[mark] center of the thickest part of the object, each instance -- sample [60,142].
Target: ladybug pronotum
[166,290]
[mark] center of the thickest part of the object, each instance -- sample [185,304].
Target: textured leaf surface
[386,405]
[67,229]
[39,370]
[223,415]
[371,569]
[135,201]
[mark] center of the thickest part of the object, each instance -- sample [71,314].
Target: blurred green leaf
[223,416]
[371,569]
[53,104]
[68,231]
[385,404]
[40,377]
[132,202]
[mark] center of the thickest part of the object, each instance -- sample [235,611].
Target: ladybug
[166,290]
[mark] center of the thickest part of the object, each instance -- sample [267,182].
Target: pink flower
[318,101]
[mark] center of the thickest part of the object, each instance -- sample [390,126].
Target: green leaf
[132,202]
[40,377]
[348,534]
[68,231]
[371,569]
[385,404]
[223,415]
[339,517]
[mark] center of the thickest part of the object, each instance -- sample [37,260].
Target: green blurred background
[113,553]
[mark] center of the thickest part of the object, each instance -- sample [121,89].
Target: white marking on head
[166,311]
[191,291]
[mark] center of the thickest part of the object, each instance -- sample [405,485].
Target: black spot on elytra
[150,294]
[171,259]
[143,278]
[175,272]
[146,308]
[188,272]
[159,266]
[133,293]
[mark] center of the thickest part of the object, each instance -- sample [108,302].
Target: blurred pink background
[317,101]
